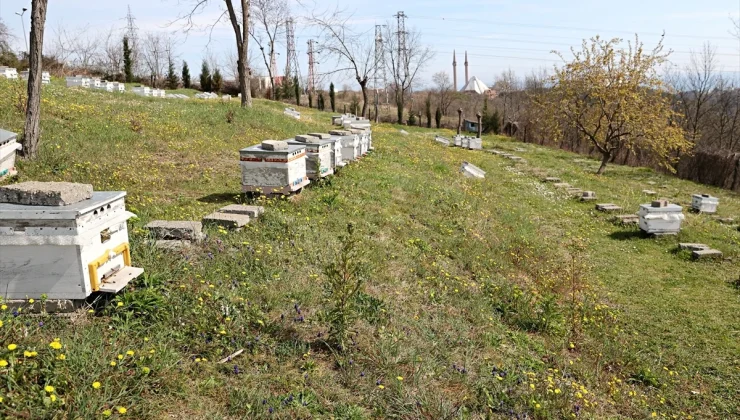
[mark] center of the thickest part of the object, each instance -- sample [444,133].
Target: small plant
[230,116]
[345,280]
[412,118]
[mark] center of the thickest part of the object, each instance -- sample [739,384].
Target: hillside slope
[500,297]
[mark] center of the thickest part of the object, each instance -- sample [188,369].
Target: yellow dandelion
[119,304]
[12,347]
[3,363]
[1,322]
[3,307]
[107,413]
[96,385]
[145,370]
[62,357]
[122,410]
[130,353]
[400,378]
[120,357]
[31,301]
[52,397]
[55,345]
[113,363]
[49,389]
[381,387]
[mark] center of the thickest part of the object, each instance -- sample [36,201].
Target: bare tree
[86,48]
[268,23]
[353,52]
[507,85]
[404,65]
[154,54]
[694,88]
[62,47]
[239,19]
[5,37]
[32,129]
[111,57]
[444,89]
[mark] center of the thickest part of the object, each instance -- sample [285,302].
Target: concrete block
[627,219]
[51,306]
[275,145]
[36,193]
[226,220]
[561,185]
[607,207]
[551,179]
[659,203]
[172,245]
[692,246]
[175,230]
[303,138]
[588,196]
[701,254]
[574,191]
[340,132]
[726,220]
[649,192]
[404,132]
[322,136]
[251,211]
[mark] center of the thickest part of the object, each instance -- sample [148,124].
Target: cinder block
[303,138]
[588,196]
[701,254]
[274,145]
[176,230]
[692,247]
[649,192]
[322,136]
[627,219]
[226,220]
[608,207]
[561,185]
[551,179]
[251,211]
[34,193]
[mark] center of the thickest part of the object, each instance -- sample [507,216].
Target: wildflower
[130,353]
[12,347]
[538,406]
[52,397]
[122,410]
[96,385]
[654,414]
[120,357]
[27,353]
[55,345]
[62,357]
[3,307]
[31,301]
[146,370]
[113,363]
[557,390]
[400,378]
[381,387]
[107,413]
[1,322]
[49,389]
[119,304]
[531,386]
[3,363]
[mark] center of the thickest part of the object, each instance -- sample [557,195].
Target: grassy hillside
[494,298]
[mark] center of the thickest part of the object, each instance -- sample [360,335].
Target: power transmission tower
[291,66]
[131,34]
[379,70]
[403,62]
[311,67]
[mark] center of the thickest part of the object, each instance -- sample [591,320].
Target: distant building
[470,126]
[475,85]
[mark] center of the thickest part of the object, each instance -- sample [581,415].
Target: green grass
[489,298]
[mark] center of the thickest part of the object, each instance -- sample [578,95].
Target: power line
[311,67]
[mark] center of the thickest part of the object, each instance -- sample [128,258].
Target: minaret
[454,70]
[467,78]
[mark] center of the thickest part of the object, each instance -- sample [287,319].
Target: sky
[497,34]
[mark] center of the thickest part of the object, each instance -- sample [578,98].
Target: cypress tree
[185,75]
[217,81]
[322,105]
[438,117]
[310,99]
[428,106]
[172,79]
[128,63]
[332,97]
[297,88]
[205,77]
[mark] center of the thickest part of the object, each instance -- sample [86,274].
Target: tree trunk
[363,86]
[399,108]
[241,32]
[376,106]
[604,160]
[31,131]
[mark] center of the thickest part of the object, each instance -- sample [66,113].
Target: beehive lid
[258,149]
[670,208]
[340,133]
[312,142]
[6,136]
[323,136]
[70,212]
[703,197]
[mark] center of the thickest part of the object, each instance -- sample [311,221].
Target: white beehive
[364,140]
[475,143]
[8,72]
[292,112]
[142,91]
[45,77]
[335,148]
[458,141]
[273,167]
[95,83]
[318,155]
[77,81]
[350,144]
[105,85]
[660,217]
[8,146]
[119,87]
[65,252]
[704,203]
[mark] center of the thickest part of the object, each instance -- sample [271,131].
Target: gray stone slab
[574,191]
[551,179]
[340,132]
[52,306]
[251,211]
[34,193]
[692,246]
[172,245]
[322,136]
[303,138]
[607,207]
[561,185]
[226,220]
[649,192]
[726,220]
[175,230]
[277,145]
[627,219]
[588,196]
[700,254]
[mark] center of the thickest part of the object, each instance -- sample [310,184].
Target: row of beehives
[94,83]
[12,74]
[8,146]
[283,167]
[466,142]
